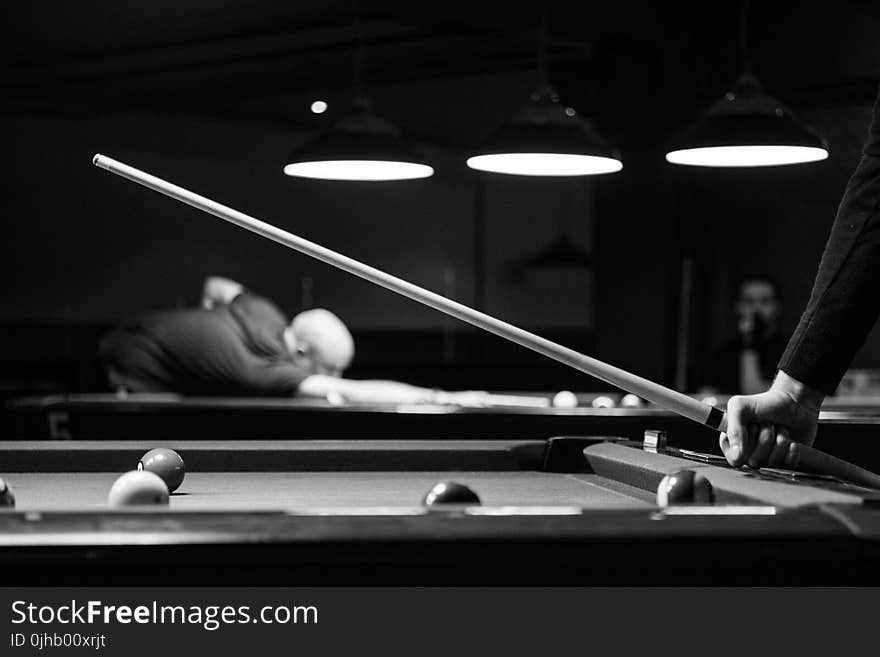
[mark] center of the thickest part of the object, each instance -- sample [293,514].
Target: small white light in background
[319,107]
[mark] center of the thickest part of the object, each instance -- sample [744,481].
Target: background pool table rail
[852,434]
[280,455]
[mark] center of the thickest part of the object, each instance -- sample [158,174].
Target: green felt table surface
[303,491]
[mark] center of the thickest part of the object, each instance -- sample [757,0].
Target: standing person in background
[747,363]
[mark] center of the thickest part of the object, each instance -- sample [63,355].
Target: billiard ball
[565,399]
[450,492]
[631,401]
[685,487]
[167,464]
[7,498]
[138,488]
[603,401]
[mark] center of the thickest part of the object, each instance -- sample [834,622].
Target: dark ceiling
[235,58]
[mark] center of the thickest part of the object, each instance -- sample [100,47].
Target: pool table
[848,427]
[563,510]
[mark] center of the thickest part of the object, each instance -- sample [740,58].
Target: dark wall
[86,248]
[83,246]
[83,249]
[732,223]
[775,221]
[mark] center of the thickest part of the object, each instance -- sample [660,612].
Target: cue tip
[97,159]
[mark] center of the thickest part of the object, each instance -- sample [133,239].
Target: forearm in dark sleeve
[845,300]
[272,379]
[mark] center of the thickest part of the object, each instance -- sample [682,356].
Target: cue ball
[565,399]
[167,464]
[685,487]
[7,498]
[138,488]
[450,492]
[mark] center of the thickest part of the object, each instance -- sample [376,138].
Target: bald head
[320,341]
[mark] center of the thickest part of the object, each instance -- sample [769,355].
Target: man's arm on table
[384,392]
[843,308]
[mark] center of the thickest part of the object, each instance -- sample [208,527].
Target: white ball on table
[138,488]
[565,399]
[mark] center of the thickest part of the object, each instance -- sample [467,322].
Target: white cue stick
[679,403]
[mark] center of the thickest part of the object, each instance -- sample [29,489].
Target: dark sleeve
[196,352]
[266,368]
[134,361]
[272,378]
[261,323]
[845,300]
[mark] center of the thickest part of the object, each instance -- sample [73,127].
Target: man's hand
[761,428]
[219,291]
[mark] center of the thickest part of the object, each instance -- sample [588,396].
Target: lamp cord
[543,78]
[358,64]
[744,55]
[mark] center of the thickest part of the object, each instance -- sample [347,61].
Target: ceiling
[241,58]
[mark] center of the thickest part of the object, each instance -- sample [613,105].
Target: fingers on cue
[724,444]
[732,451]
[784,450]
[737,453]
[741,432]
[793,453]
[733,444]
[764,446]
[741,455]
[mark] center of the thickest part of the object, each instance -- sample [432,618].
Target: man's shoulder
[181,316]
[183,325]
[248,303]
[261,324]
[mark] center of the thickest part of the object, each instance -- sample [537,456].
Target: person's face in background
[317,359]
[758,304]
[320,343]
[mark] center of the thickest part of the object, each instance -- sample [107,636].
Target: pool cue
[800,456]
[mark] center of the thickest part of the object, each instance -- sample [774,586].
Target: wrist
[799,392]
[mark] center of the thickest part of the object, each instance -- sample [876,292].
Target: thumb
[740,413]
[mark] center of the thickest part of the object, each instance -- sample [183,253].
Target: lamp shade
[359,147]
[747,128]
[546,139]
